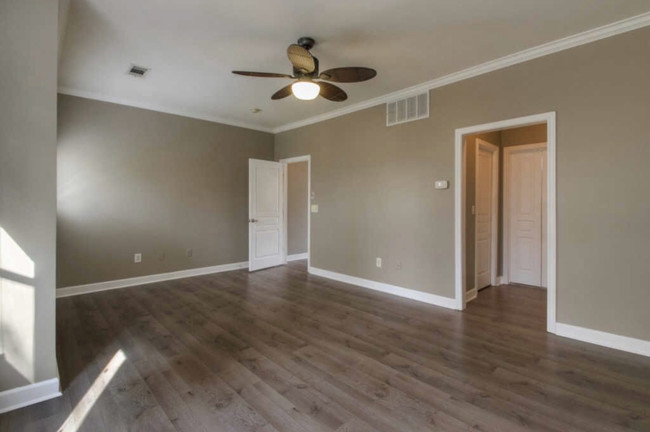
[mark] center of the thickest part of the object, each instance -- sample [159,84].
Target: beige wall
[132,180]
[28,65]
[375,184]
[523,135]
[297,190]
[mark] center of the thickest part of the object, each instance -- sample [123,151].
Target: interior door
[265,213]
[526,186]
[484,213]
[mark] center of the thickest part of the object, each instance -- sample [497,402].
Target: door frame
[505,277]
[286,162]
[494,200]
[549,119]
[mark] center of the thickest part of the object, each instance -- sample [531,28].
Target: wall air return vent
[406,110]
[138,71]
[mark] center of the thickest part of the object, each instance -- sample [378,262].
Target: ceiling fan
[305,71]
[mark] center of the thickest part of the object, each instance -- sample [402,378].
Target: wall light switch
[379,262]
[137,258]
[442,184]
[314,208]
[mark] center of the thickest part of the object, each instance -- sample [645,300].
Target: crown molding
[598,33]
[159,108]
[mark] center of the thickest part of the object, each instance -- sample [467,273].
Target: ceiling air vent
[138,71]
[406,110]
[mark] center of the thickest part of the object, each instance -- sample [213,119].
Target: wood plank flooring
[281,350]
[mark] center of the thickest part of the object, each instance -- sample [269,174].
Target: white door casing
[266,214]
[544,216]
[486,213]
[524,197]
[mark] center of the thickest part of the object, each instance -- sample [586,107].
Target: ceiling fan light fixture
[305,90]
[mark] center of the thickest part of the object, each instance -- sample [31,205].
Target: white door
[265,213]
[485,212]
[526,181]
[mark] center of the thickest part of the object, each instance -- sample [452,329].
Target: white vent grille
[406,110]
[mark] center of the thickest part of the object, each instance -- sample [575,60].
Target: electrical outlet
[379,262]
[188,252]
[137,258]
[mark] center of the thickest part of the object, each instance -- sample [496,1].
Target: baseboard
[609,340]
[296,257]
[28,395]
[471,295]
[433,299]
[501,280]
[143,280]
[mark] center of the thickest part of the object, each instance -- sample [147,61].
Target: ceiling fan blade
[262,74]
[301,59]
[348,74]
[332,92]
[282,93]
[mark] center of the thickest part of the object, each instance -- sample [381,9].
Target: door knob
[252,220]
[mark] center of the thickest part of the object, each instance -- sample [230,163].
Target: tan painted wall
[297,190]
[132,180]
[28,74]
[375,184]
[523,135]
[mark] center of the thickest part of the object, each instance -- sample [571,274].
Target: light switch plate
[314,208]
[442,184]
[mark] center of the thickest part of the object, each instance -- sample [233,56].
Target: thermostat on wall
[442,184]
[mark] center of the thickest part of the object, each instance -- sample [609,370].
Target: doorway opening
[297,190]
[505,207]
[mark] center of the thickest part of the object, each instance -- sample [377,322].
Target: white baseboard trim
[501,281]
[609,340]
[142,280]
[433,299]
[471,295]
[296,257]
[28,395]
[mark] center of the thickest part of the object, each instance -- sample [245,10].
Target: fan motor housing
[306,42]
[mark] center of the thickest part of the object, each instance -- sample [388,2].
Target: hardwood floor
[280,350]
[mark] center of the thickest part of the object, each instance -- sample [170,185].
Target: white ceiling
[192,45]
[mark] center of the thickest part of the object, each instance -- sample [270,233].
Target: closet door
[526,179]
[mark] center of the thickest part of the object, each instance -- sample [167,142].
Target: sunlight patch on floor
[81,410]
